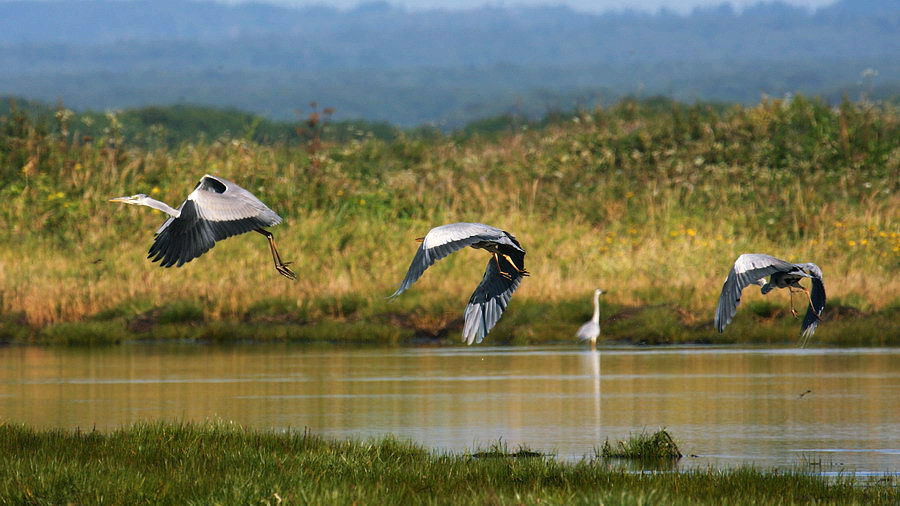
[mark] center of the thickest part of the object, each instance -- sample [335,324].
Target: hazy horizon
[444,67]
[592,6]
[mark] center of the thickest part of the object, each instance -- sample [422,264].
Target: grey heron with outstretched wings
[590,331]
[217,209]
[752,268]
[504,271]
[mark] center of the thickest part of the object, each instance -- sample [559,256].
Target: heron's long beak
[420,239]
[119,199]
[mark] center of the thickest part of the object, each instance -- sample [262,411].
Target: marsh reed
[651,201]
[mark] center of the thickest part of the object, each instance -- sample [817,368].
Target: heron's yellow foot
[285,271]
[521,271]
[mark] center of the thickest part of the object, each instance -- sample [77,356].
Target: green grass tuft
[182,311]
[643,446]
[500,449]
[84,333]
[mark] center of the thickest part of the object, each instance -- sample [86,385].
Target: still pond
[833,411]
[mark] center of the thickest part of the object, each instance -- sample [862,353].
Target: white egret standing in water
[590,331]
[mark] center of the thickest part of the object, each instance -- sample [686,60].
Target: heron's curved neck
[162,206]
[596,317]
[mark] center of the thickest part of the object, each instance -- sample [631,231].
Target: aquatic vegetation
[643,446]
[500,449]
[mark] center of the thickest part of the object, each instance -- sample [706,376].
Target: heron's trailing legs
[516,267]
[808,297]
[281,267]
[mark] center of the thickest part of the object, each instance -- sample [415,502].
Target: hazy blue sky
[583,5]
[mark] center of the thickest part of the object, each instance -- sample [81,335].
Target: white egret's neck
[596,317]
[162,206]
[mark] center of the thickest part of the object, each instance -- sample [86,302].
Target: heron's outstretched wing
[748,269]
[215,210]
[489,300]
[813,312]
[443,240]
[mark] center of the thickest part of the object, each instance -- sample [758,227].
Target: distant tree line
[444,68]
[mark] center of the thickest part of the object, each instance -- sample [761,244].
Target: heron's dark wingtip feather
[417,267]
[489,300]
[814,311]
[729,299]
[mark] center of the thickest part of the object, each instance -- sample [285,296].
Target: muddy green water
[827,410]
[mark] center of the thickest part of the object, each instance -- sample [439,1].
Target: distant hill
[445,67]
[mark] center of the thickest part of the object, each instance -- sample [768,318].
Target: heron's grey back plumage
[747,269]
[445,239]
[489,300]
[215,210]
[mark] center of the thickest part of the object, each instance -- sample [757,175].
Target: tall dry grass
[651,202]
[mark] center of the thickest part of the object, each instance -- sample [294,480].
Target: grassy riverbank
[224,464]
[651,201]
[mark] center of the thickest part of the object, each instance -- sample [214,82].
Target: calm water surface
[837,410]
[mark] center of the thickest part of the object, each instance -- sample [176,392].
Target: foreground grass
[220,463]
[650,201]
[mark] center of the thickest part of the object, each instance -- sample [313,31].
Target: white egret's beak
[124,200]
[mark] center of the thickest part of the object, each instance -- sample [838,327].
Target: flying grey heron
[752,268]
[504,272]
[590,331]
[217,209]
